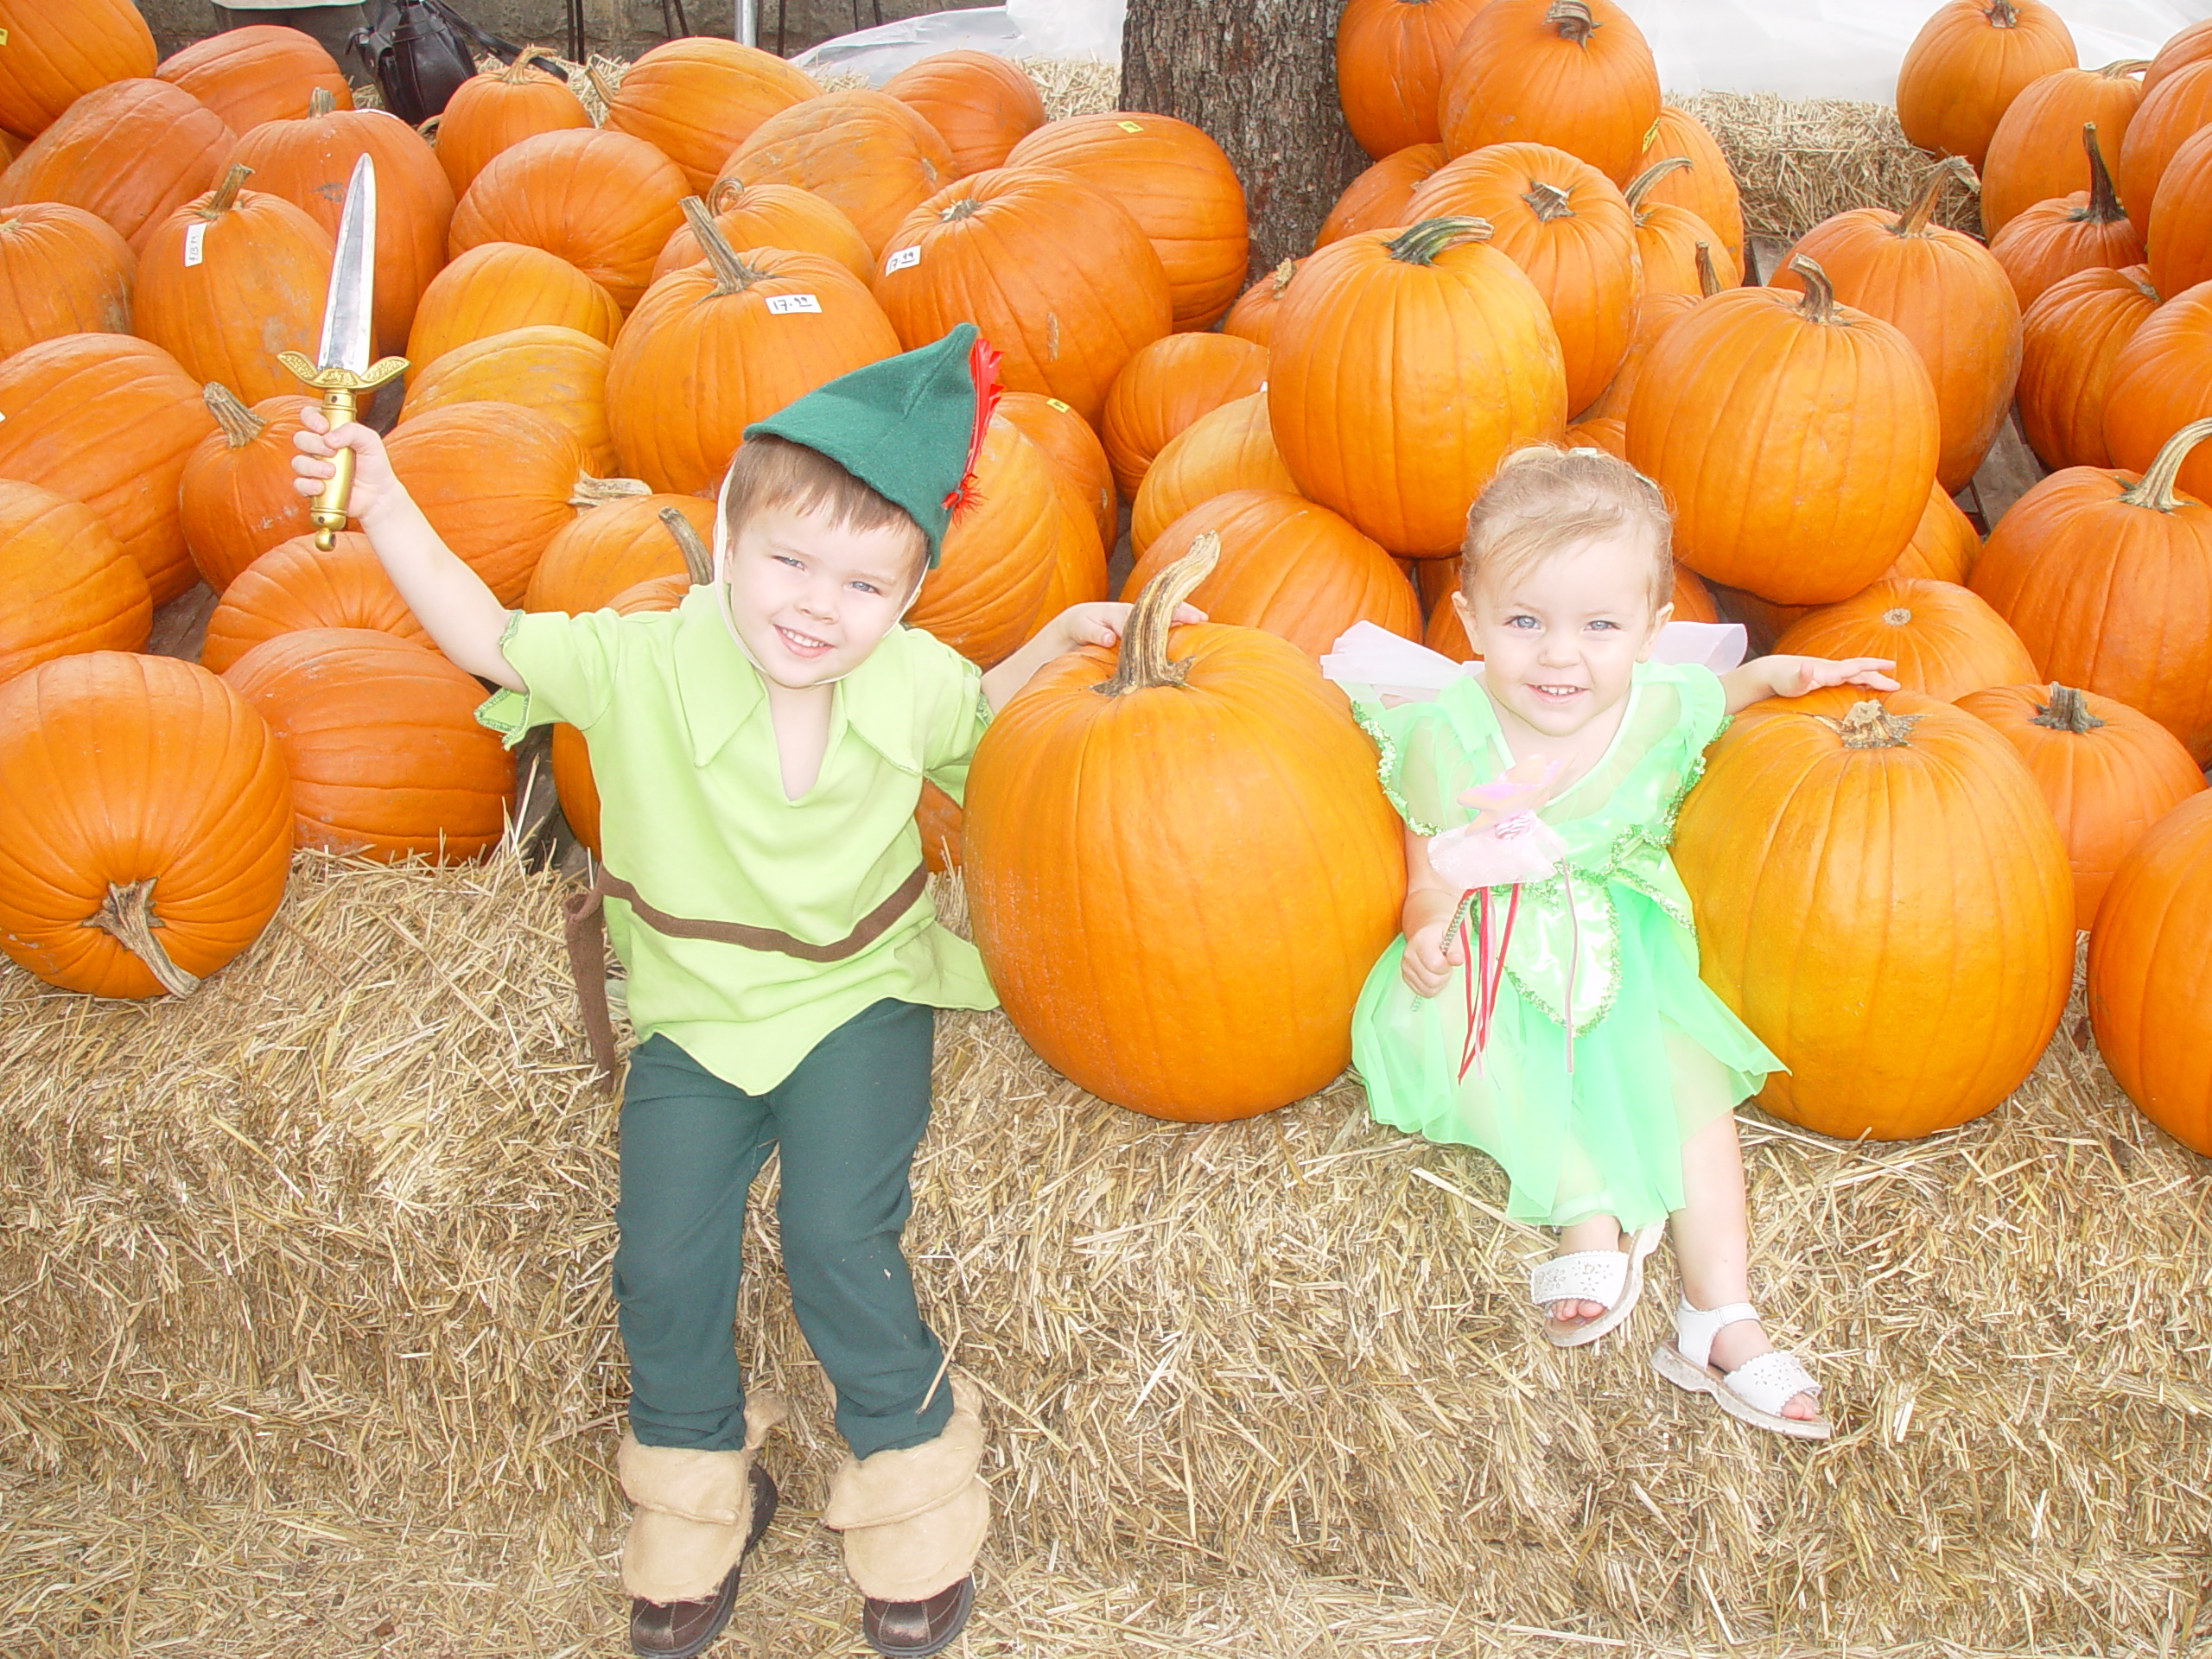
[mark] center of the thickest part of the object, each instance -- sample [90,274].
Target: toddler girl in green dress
[1544,1002]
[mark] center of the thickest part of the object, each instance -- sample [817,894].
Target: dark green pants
[847,1121]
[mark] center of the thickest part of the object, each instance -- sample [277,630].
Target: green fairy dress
[1593,1124]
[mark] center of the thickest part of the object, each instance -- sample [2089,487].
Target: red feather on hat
[984,369]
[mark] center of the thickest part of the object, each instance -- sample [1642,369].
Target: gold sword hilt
[340,390]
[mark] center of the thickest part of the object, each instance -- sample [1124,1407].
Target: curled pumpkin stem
[241,426]
[698,562]
[732,274]
[1708,276]
[1144,662]
[127,913]
[1548,202]
[1571,20]
[589,492]
[1419,245]
[2066,711]
[2155,489]
[224,196]
[1640,186]
[723,195]
[1915,220]
[1820,304]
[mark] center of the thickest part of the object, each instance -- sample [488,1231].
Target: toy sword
[343,370]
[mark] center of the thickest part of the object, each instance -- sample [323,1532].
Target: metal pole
[747,27]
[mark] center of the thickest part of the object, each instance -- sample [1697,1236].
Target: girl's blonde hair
[1545,499]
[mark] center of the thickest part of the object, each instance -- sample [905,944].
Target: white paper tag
[785,305]
[194,234]
[904,259]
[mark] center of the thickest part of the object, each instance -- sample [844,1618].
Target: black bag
[420,52]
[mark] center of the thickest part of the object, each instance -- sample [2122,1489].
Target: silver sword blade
[349,314]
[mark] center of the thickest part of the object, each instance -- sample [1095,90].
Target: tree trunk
[1260,76]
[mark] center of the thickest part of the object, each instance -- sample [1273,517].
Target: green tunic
[694,816]
[1606,945]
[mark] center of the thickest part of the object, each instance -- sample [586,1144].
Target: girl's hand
[1101,623]
[1427,967]
[1793,677]
[375,487]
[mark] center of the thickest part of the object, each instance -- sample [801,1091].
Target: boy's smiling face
[810,598]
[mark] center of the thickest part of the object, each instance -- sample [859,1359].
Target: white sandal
[1755,1391]
[1612,1277]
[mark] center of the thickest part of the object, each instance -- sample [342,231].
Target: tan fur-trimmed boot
[912,1521]
[697,1515]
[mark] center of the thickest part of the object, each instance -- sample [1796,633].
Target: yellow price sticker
[3,37]
[1054,403]
[1130,126]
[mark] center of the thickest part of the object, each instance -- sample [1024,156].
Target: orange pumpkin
[1253,316]
[1074,450]
[1943,548]
[58,53]
[981,104]
[602,200]
[2161,381]
[1577,75]
[2150,974]
[1896,848]
[1391,56]
[570,758]
[1232,448]
[381,740]
[1058,277]
[294,585]
[2181,218]
[62,271]
[704,355]
[560,373]
[771,216]
[1605,432]
[2049,241]
[697,99]
[2190,46]
[65,583]
[1707,186]
[2070,337]
[616,545]
[1123,810]
[1655,314]
[2033,156]
[1456,365]
[1000,554]
[866,154]
[146,830]
[497,109]
[1967,64]
[1797,439]
[2107,579]
[2106,772]
[1944,639]
[1674,247]
[131,153]
[262,71]
[1167,385]
[499,286]
[1378,199]
[108,421]
[235,499]
[1079,575]
[941,822]
[230,280]
[1570,230]
[2171,113]
[1175,183]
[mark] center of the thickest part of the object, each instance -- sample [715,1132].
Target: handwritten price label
[791,305]
[195,238]
[904,259]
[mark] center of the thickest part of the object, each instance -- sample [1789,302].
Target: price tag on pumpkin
[1130,126]
[904,259]
[3,37]
[1054,403]
[195,236]
[787,305]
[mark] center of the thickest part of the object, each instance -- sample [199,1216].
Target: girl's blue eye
[1602,623]
[1522,621]
[867,587]
[785,558]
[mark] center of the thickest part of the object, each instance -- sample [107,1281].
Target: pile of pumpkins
[1542,251]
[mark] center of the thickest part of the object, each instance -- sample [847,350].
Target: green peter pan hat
[910,427]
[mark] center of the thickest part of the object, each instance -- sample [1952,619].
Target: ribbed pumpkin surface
[1231,448]
[1376,199]
[65,583]
[2069,341]
[867,154]
[603,201]
[1576,74]
[62,271]
[262,71]
[2150,974]
[1167,385]
[1075,453]
[560,373]
[498,520]
[1944,639]
[502,285]
[611,548]
[237,498]
[57,54]
[296,586]
[1000,552]
[131,152]
[772,216]
[697,99]
[495,111]
[981,104]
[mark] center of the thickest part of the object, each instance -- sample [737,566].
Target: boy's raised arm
[448,599]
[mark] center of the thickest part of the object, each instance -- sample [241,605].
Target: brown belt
[585,929]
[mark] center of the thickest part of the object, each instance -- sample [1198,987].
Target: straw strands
[305,1347]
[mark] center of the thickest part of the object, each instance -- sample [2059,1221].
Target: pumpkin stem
[1640,186]
[723,195]
[589,491]
[1914,221]
[1419,245]
[1897,616]
[2002,14]
[966,208]
[2124,68]
[1571,20]
[1548,202]
[522,69]
[2066,711]
[1708,276]
[1869,725]
[1283,273]
[321,102]
[732,274]
[599,85]
[2155,489]
[698,562]
[2104,198]
[224,196]
[1144,661]
[241,426]
[1819,293]
[128,914]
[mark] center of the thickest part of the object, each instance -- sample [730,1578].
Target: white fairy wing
[1717,646]
[1369,655]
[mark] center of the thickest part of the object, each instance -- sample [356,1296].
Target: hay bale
[307,1330]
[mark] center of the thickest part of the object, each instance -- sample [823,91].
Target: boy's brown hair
[772,472]
[1545,499]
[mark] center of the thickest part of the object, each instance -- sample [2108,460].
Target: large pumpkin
[262,71]
[1378,199]
[1563,222]
[65,583]
[1166,386]
[715,346]
[560,373]
[296,585]
[1054,273]
[1706,187]
[132,153]
[1968,62]
[1253,316]
[1391,56]
[2050,240]
[1075,453]
[381,740]
[2181,218]
[866,154]
[1126,813]
[236,498]
[62,271]
[1944,639]
[1000,552]
[1286,565]
[1679,252]
[2161,381]
[57,54]
[230,280]
[1576,74]
[1178,186]
[616,545]
[108,421]
[1796,437]
[1882,898]
[146,830]
[2107,579]
[604,201]
[496,111]
[498,286]
[2150,974]
[2106,772]
[2070,339]
[697,99]
[2171,113]
[2033,156]
[2183,47]
[1232,448]
[981,104]
[771,216]
[1403,370]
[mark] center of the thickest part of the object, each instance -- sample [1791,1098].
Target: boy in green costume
[759,753]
